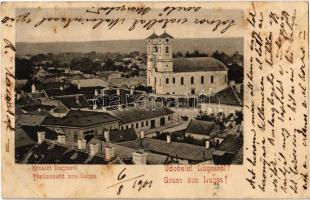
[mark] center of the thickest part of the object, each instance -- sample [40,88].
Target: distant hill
[208,45]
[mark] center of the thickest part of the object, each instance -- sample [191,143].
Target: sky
[54,31]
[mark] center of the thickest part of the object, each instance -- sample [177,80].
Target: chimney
[139,158]
[238,88]
[118,92]
[61,139]
[142,134]
[207,144]
[131,91]
[231,83]
[96,92]
[82,144]
[77,99]
[41,137]
[102,91]
[168,138]
[61,88]
[33,88]
[94,149]
[107,135]
[79,85]
[109,153]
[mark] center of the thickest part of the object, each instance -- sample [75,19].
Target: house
[26,137]
[130,82]
[78,124]
[54,152]
[90,82]
[227,101]
[181,76]
[74,101]
[47,151]
[29,120]
[143,119]
[199,129]
[21,85]
[59,110]
[41,87]
[227,150]
[182,152]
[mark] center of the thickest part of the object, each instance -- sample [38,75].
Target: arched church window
[192,80]
[173,80]
[167,49]
[212,79]
[155,49]
[182,81]
[167,80]
[202,79]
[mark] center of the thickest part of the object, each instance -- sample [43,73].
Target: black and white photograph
[156,97]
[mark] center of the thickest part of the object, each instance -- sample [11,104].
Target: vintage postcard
[154,99]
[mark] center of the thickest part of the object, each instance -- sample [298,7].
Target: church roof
[197,64]
[165,35]
[153,36]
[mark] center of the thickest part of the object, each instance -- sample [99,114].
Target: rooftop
[116,136]
[152,36]
[129,115]
[172,149]
[74,101]
[229,144]
[197,64]
[79,118]
[91,82]
[53,153]
[200,127]
[229,96]
[29,120]
[52,85]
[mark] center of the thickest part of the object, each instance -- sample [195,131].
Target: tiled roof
[229,144]
[45,86]
[173,149]
[22,139]
[229,96]
[91,82]
[37,95]
[165,35]
[79,118]
[54,153]
[152,36]
[200,127]
[31,132]
[197,64]
[126,153]
[129,115]
[26,100]
[20,83]
[32,108]
[74,101]
[116,136]
[29,120]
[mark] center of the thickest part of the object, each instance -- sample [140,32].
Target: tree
[235,73]
[83,64]
[23,68]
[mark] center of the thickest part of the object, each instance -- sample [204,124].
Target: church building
[181,76]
